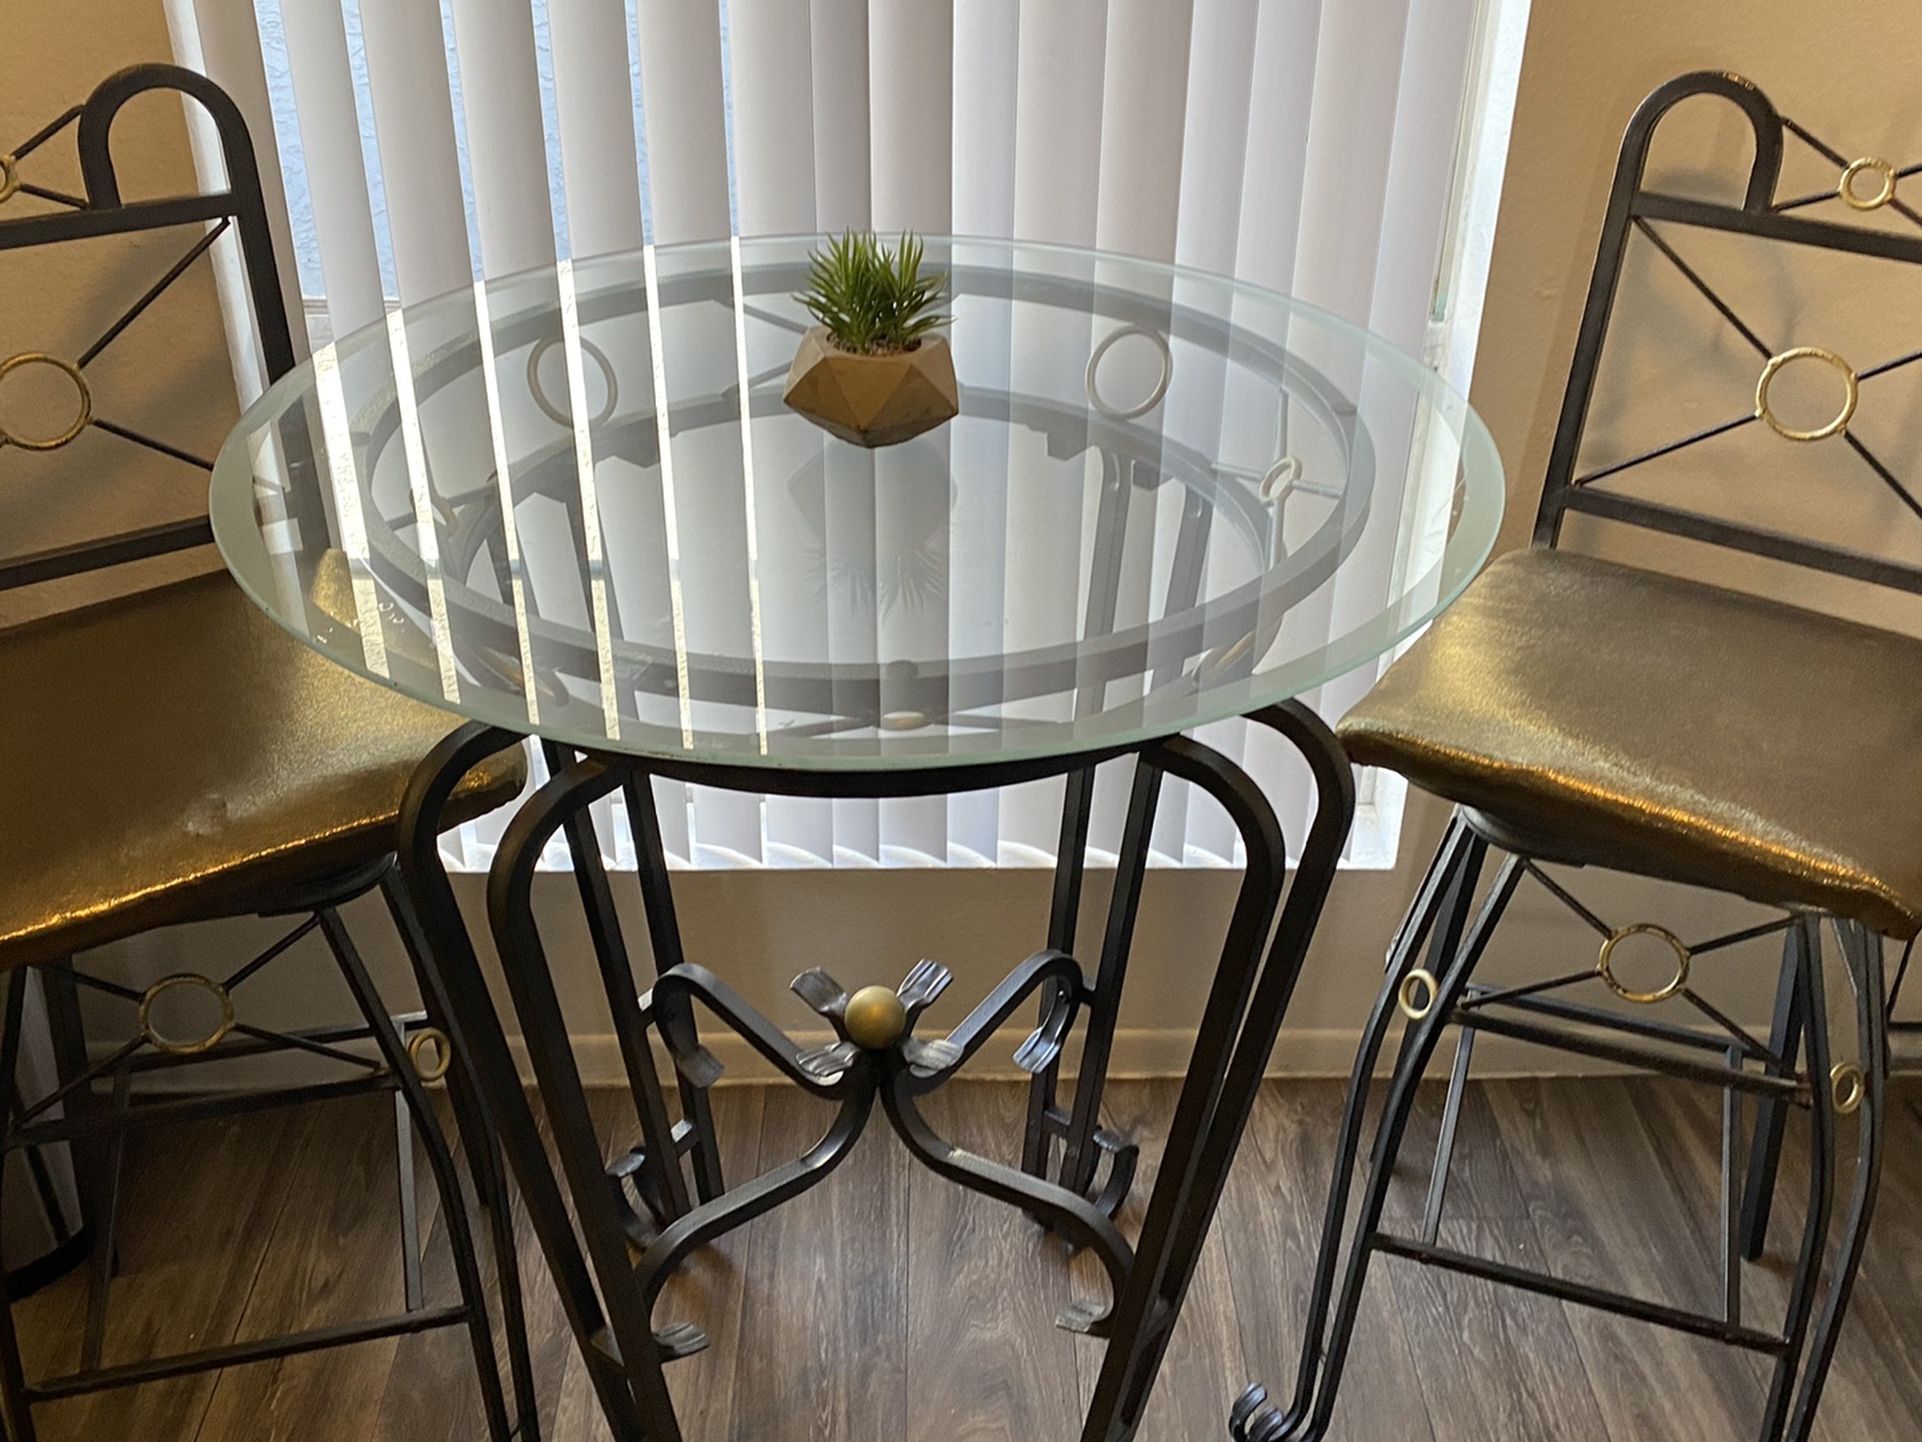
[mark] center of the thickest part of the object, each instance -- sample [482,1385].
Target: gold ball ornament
[875,1018]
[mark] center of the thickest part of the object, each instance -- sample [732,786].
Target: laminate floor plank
[1606,1213]
[1204,1367]
[710,1290]
[986,1362]
[199,1206]
[707,1291]
[1271,1225]
[887,1304]
[823,1339]
[336,1257]
[1877,1380]
[432,1394]
[1493,1362]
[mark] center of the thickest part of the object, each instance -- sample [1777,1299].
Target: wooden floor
[887,1305]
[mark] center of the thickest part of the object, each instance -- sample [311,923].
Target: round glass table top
[573,503]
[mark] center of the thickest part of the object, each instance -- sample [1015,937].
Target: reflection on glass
[344,477]
[419,490]
[503,480]
[718,578]
[748,511]
[590,504]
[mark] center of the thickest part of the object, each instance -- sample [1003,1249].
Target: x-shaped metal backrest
[101,211]
[1865,184]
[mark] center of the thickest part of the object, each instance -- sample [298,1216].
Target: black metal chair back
[1634,207]
[101,211]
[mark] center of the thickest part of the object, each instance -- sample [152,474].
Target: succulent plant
[873,299]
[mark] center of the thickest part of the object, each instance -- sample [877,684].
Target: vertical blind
[1307,145]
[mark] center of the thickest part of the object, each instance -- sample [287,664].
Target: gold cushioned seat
[1669,728]
[170,755]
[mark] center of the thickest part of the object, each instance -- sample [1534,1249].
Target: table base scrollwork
[640,1218]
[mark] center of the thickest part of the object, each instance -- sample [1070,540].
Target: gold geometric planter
[872,400]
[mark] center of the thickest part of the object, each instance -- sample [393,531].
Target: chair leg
[1459,953]
[484,1161]
[1253,1419]
[1771,1117]
[440,1158]
[15,1410]
[1441,915]
[96,1160]
[1862,951]
[1445,1143]
[1803,1288]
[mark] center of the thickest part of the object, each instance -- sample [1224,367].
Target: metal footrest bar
[255,1046]
[190,1109]
[235,1354]
[1635,1308]
[1784,1088]
[1479,999]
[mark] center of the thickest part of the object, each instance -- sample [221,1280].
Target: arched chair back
[101,211]
[1636,209]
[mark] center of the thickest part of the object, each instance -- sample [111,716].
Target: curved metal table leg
[477,1035]
[608,1294]
[1245,1008]
[1456,947]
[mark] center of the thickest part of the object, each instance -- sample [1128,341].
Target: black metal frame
[643,1202]
[666,1193]
[1788,1070]
[73,1113]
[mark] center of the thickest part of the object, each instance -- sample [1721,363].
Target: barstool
[171,756]
[1589,713]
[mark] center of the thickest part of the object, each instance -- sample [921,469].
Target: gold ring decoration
[174,1046]
[553,412]
[1872,165]
[1117,413]
[1849,1088]
[1419,983]
[1605,967]
[83,417]
[443,1053]
[1280,481]
[1820,433]
[9,177]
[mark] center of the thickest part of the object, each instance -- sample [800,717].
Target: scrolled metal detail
[1417,994]
[1128,413]
[1848,1087]
[547,407]
[1871,165]
[175,1046]
[9,177]
[82,418]
[1605,963]
[443,1053]
[1853,394]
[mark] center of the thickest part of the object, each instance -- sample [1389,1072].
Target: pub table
[571,505]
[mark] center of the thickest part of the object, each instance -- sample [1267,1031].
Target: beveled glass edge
[1470,542]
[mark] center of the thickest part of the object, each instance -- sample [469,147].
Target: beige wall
[1846,70]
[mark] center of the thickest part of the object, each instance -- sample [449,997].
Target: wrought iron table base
[640,1218]
[1443,995]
